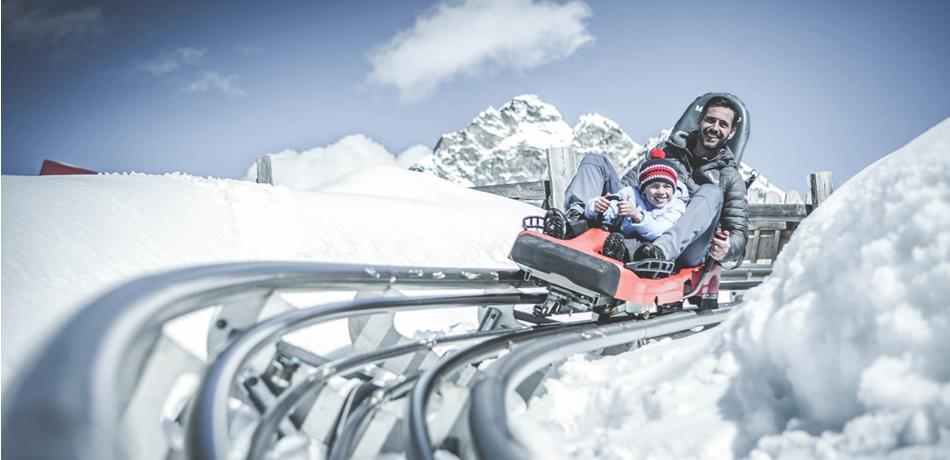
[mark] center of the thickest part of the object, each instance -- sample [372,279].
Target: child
[648,209]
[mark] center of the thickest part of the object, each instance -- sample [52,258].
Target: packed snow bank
[310,168]
[69,238]
[842,352]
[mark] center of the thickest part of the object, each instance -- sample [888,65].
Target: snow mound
[355,152]
[841,353]
[67,239]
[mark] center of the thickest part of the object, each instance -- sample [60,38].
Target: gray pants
[687,241]
[595,177]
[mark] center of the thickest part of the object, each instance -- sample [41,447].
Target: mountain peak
[508,145]
[531,109]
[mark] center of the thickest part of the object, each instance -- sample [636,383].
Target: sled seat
[540,254]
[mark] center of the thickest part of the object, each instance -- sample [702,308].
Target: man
[704,162]
[717,193]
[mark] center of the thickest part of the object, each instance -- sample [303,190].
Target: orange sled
[580,278]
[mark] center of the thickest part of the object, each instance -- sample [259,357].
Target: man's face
[716,128]
[658,193]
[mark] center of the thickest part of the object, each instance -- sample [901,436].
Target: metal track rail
[343,447]
[314,382]
[491,434]
[208,429]
[68,403]
[419,446]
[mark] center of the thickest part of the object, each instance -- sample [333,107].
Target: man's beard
[720,142]
[708,152]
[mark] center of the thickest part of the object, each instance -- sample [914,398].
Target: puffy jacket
[655,220]
[723,170]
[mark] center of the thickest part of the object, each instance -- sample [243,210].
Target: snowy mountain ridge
[500,146]
[508,145]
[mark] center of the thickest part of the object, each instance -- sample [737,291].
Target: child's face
[658,193]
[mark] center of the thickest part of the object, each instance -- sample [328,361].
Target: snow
[67,239]
[312,167]
[841,353]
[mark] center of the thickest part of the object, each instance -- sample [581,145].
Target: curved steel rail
[342,448]
[419,446]
[207,432]
[314,382]
[491,435]
[68,403]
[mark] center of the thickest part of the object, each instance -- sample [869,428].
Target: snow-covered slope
[841,353]
[68,238]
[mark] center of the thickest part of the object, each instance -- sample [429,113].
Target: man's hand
[601,204]
[719,245]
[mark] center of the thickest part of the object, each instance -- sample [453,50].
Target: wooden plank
[755,224]
[776,239]
[562,165]
[756,237]
[534,190]
[820,185]
[783,212]
[264,172]
[748,270]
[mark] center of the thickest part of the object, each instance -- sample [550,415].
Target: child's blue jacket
[655,220]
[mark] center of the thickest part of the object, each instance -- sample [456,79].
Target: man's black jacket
[723,170]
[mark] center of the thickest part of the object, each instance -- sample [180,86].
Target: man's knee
[711,193]
[595,159]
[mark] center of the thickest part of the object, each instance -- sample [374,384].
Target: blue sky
[205,87]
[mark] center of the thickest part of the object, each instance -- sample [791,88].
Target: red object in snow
[55,168]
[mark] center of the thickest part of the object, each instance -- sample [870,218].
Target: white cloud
[184,68]
[42,28]
[210,80]
[477,36]
[308,169]
[172,61]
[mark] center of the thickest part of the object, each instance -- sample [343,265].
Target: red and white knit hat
[657,168]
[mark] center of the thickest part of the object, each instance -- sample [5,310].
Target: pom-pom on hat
[657,168]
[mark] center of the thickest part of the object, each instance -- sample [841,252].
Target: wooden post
[820,187]
[264,171]
[562,165]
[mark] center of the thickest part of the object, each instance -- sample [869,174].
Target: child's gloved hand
[626,209]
